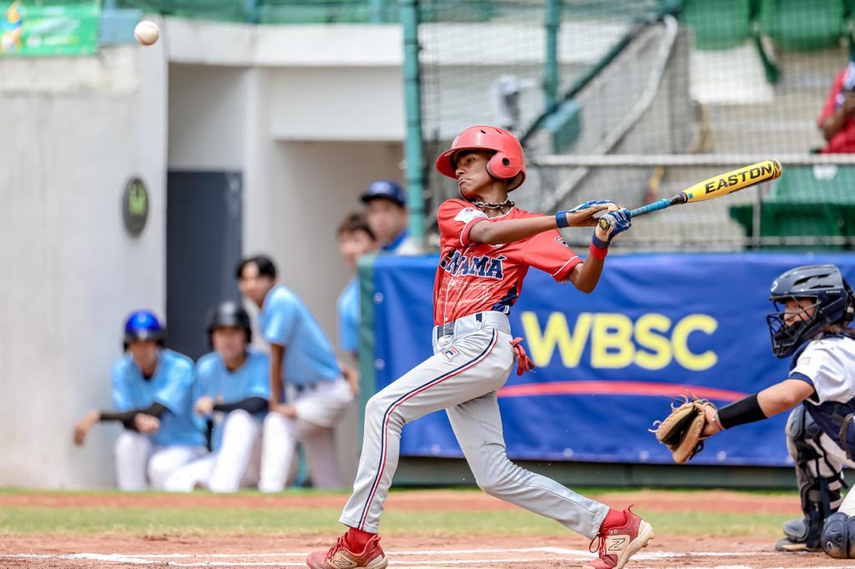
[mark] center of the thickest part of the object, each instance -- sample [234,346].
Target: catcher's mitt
[681,430]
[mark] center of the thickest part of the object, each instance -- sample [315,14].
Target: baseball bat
[714,187]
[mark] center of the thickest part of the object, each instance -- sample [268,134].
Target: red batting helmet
[508,162]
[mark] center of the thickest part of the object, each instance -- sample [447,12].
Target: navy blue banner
[610,363]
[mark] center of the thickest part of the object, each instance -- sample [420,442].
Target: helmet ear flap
[849,311]
[500,166]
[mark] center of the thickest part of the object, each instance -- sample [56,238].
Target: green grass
[262,521]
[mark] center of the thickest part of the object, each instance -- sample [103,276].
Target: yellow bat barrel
[734,181]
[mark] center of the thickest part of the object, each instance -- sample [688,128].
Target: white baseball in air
[146,33]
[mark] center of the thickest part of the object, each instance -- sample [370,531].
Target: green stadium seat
[718,24]
[805,202]
[227,10]
[319,12]
[799,25]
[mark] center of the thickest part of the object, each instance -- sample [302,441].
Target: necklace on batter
[484,206]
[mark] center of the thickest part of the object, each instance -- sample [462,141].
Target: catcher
[814,306]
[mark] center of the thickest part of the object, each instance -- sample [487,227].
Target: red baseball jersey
[476,277]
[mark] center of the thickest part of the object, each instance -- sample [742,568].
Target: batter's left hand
[619,221]
[524,362]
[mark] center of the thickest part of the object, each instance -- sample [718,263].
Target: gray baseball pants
[472,360]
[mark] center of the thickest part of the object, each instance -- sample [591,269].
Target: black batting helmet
[228,313]
[832,304]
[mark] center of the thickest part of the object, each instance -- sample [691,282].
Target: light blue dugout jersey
[223,386]
[348,317]
[171,386]
[309,356]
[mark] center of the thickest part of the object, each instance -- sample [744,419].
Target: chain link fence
[653,98]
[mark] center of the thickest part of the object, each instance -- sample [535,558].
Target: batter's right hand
[146,424]
[583,214]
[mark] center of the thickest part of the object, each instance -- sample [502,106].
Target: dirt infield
[411,551]
[665,552]
[709,501]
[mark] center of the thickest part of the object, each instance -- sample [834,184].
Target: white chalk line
[440,552]
[566,554]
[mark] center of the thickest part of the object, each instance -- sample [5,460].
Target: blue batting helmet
[143,325]
[832,304]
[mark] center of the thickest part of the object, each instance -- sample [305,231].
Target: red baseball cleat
[618,543]
[340,557]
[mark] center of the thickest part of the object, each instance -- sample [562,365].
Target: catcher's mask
[832,304]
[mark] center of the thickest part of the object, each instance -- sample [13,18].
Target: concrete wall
[307,120]
[75,129]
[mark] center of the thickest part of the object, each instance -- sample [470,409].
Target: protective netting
[740,80]
[487,63]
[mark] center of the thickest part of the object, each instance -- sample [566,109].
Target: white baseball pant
[235,464]
[137,457]
[319,408]
[472,360]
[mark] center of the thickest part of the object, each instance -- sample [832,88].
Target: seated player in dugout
[355,239]
[488,245]
[231,398]
[814,307]
[152,398]
[388,217]
[308,392]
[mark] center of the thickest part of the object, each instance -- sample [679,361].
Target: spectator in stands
[837,120]
[355,239]
[388,217]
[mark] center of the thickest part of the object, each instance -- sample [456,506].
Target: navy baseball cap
[387,190]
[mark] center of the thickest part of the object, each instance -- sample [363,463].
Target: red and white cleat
[618,543]
[340,557]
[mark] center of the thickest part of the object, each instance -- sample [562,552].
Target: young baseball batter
[487,247]
[814,306]
[232,394]
[152,395]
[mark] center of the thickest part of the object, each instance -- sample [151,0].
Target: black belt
[447,329]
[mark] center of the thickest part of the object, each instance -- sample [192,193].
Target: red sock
[356,539]
[615,518]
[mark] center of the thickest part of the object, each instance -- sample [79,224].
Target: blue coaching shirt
[348,317]
[171,386]
[309,356]
[223,386]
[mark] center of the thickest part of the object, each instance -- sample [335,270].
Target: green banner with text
[39,30]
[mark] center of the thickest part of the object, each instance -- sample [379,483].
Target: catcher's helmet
[228,314]
[508,162]
[143,325]
[832,304]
